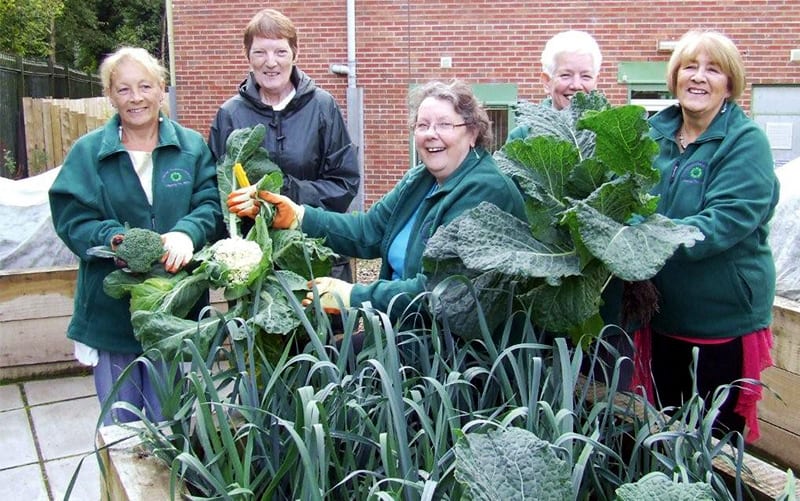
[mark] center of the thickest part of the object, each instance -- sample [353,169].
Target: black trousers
[717,364]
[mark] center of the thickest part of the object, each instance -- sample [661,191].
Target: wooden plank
[67,136]
[777,444]
[57,280]
[786,333]
[132,472]
[55,129]
[50,369]
[28,123]
[780,409]
[47,133]
[30,343]
[35,307]
[34,137]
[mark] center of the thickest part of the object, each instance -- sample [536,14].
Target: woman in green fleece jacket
[457,173]
[140,170]
[717,174]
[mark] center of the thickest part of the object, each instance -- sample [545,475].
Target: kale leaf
[584,172]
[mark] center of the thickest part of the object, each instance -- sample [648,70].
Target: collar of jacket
[474,157]
[111,143]
[303,87]
[666,122]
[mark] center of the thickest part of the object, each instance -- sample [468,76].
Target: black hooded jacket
[308,140]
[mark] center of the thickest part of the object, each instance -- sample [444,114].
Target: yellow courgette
[241,176]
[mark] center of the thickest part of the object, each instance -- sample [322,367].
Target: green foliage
[139,252]
[79,33]
[10,167]
[27,26]
[90,29]
[244,146]
[416,414]
[657,486]
[261,276]
[584,172]
[511,464]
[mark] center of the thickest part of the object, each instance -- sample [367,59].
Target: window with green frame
[498,100]
[647,85]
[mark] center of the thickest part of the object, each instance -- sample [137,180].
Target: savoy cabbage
[511,464]
[584,173]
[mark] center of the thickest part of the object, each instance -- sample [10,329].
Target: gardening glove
[243,203]
[179,250]
[288,215]
[115,241]
[333,294]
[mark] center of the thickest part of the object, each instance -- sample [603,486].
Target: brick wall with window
[401,42]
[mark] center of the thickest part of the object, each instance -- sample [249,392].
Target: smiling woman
[305,135]
[144,171]
[457,173]
[717,175]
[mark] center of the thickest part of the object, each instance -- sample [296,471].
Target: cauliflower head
[239,256]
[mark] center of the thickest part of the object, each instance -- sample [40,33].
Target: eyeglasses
[422,128]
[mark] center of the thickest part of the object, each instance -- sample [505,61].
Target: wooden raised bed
[36,305]
[35,310]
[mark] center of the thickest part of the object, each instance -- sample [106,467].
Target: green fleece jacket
[725,185]
[97,192]
[369,234]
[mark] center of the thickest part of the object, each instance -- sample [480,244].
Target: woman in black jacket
[306,134]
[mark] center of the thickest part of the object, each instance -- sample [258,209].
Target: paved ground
[46,428]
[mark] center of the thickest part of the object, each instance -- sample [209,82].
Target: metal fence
[23,77]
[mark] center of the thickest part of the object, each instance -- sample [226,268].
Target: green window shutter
[652,74]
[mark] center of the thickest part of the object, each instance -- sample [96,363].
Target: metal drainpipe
[355,103]
[173,112]
[351,44]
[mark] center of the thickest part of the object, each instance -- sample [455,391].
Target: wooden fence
[53,125]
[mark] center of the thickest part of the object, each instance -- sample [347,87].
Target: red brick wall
[400,42]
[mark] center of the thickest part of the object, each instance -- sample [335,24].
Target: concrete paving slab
[66,428]
[16,441]
[10,397]
[23,482]
[56,390]
[87,483]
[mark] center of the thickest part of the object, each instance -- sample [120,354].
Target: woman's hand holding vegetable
[245,202]
[333,293]
[178,250]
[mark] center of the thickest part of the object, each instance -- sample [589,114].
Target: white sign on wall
[779,135]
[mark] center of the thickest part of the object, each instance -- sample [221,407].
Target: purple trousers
[137,388]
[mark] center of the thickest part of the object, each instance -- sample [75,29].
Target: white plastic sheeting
[27,237]
[784,236]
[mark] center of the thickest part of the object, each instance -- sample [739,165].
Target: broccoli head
[140,249]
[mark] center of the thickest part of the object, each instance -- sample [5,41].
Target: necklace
[681,140]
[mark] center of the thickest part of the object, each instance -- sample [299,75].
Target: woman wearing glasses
[457,173]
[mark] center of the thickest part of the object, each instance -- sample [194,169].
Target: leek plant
[420,413]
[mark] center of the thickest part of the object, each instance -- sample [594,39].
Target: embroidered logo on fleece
[695,172]
[176,177]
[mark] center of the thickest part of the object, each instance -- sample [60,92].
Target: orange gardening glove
[288,215]
[243,203]
[334,294]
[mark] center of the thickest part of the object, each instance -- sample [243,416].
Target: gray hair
[570,42]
